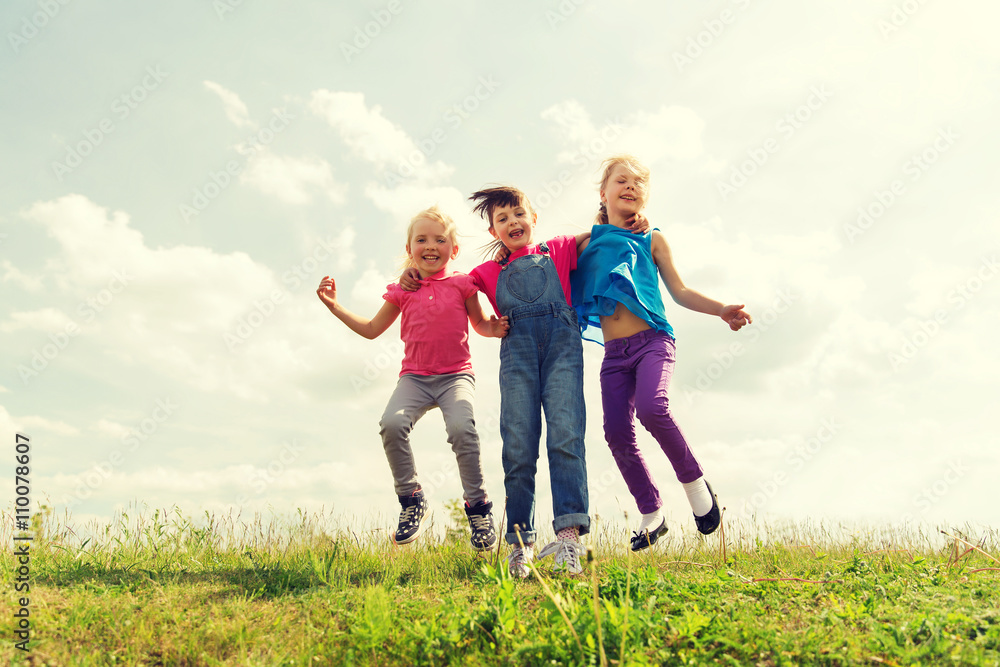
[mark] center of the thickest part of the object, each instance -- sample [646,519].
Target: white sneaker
[517,562]
[567,555]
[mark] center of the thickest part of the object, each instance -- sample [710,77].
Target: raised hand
[735,317]
[327,292]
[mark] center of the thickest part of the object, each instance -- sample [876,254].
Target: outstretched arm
[691,299]
[492,327]
[370,329]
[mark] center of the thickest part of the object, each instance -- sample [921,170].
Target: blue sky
[177,178]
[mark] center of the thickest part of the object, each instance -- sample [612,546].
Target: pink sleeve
[477,279]
[565,246]
[467,285]
[393,294]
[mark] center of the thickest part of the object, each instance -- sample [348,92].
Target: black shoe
[647,538]
[411,517]
[707,523]
[481,522]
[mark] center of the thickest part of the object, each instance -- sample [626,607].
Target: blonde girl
[436,370]
[616,288]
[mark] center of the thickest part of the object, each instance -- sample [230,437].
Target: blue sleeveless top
[617,267]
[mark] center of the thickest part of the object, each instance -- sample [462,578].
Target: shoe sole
[488,547]
[411,538]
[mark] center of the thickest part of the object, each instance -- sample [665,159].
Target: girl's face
[430,248]
[622,194]
[513,226]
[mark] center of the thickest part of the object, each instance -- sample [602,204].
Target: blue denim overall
[541,367]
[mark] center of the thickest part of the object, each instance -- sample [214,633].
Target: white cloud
[31,424]
[219,322]
[111,428]
[13,275]
[367,132]
[45,319]
[374,138]
[236,110]
[292,179]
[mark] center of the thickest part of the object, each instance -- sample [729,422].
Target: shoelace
[567,553]
[407,514]
[480,522]
[518,557]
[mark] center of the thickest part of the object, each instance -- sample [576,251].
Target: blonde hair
[638,170]
[436,215]
[490,199]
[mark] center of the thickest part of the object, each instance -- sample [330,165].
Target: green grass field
[161,588]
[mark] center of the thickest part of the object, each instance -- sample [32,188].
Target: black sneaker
[481,523]
[647,538]
[707,523]
[411,517]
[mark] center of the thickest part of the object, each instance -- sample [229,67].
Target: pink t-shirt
[435,325]
[562,251]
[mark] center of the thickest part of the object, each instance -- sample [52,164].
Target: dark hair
[490,199]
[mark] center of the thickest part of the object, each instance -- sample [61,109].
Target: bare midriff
[621,324]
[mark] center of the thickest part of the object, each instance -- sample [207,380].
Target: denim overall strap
[530,282]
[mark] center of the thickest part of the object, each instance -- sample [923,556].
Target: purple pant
[634,379]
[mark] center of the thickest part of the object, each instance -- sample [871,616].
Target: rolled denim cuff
[528,537]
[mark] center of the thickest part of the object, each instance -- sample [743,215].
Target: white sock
[651,521]
[698,496]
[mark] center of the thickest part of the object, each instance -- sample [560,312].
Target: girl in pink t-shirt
[437,369]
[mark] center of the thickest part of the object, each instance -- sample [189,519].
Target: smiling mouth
[627,197]
[516,234]
[430,258]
